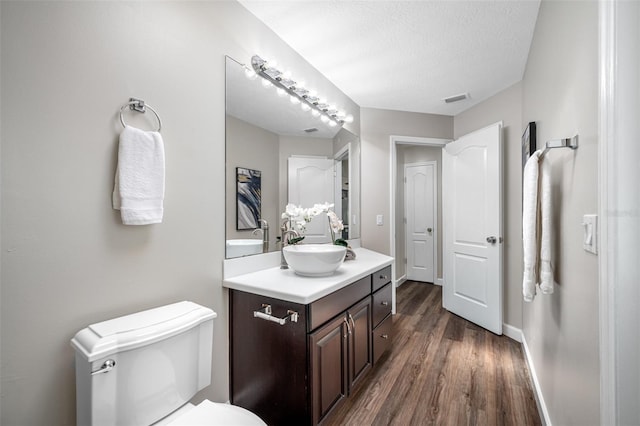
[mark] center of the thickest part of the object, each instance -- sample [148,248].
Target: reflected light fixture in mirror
[298,94]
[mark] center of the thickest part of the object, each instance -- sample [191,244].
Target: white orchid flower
[334,222]
[323,208]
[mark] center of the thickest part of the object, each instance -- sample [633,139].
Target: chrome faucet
[264,228]
[283,242]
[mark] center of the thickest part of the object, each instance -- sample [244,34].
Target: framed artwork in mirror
[248,198]
[528,142]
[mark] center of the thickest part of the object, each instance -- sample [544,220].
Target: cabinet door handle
[384,277]
[348,326]
[384,336]
[353,323]
[384,303]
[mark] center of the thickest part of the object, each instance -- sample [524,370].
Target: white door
[472,221]
[313,181]
[420,202]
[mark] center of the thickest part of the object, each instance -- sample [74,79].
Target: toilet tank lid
[142,328]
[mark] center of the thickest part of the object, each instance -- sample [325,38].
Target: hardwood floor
[442,370]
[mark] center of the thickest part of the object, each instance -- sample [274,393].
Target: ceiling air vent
[456,98]
[311,130]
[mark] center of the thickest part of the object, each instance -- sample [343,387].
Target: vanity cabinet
[294,363]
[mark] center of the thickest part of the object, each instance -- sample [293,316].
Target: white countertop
[286,285]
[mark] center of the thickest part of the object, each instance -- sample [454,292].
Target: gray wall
[506,106]
[67,261]
[243,151]
[559,93]
[377,126]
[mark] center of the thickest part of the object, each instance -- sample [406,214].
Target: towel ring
[140,106]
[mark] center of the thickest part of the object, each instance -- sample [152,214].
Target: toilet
[143,368]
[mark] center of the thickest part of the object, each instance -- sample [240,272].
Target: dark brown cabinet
[341,354]
[296,371]
[381,334]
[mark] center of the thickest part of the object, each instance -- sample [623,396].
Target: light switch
[590,233]
[379,220]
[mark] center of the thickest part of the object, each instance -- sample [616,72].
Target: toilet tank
[137,369]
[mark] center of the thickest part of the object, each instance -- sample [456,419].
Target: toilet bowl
[144,368]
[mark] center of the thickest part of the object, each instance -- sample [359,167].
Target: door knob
[429,230]
[491,240]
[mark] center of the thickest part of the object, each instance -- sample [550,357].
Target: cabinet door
[328,367]
[360,356]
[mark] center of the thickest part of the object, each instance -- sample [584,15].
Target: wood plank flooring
[441,370]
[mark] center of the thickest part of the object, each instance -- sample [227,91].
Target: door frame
[339,156]
[394,141]
[434,202]
[616,295]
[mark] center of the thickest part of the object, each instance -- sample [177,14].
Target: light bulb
[313,94]
[249,73]
[324,118]
[332,123]
[348,119]
[294,100]
[315,112]
[281,91]
[305,106]
[266,83]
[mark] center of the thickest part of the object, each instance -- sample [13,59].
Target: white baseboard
[512,332]
[401,280]
[439,281]
[542,407]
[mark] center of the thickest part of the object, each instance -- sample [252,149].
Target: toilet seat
[209,413]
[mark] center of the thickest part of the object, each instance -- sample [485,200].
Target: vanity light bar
[282,81]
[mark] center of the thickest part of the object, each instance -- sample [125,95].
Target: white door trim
[619,63]
[435,212]
[394,141]
[607,139]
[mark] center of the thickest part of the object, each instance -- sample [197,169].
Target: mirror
[272,148]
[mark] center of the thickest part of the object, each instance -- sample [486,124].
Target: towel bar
[265,314]
[140,106]
[561,143]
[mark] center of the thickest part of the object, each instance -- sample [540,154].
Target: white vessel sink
[240,247]
[314,260]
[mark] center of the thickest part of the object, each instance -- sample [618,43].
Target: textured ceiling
[408,55]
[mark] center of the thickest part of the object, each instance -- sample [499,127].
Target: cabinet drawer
[381,304]
[324,309]
[382,338]
[380,278]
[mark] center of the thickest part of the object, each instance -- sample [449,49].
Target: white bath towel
[537,227]
[139,183]
[529,226]
[546,228]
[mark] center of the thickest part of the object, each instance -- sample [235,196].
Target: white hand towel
[529,226]
[139,184]
[546,228]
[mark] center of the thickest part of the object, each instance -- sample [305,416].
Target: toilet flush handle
[105,368]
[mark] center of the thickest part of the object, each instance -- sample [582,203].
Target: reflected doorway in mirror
[249,198]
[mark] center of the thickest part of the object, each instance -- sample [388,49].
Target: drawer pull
[265,314]
[384,303]
[384,336]
[384,277]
